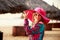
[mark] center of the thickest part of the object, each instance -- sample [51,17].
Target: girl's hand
[25,15]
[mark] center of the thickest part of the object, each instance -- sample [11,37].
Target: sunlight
[56,3]
[49,2]
[11,19]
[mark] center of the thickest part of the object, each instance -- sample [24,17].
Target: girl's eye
[35,14]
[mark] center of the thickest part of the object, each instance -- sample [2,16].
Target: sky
[55,2]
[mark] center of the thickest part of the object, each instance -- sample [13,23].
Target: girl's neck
[35,22]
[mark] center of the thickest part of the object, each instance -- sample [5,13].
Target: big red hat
[42,12]
[39,10]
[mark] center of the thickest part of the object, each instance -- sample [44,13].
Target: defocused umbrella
[12,5]
[15,6]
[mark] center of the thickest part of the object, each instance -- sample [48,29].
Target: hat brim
[30,13]
[45,19]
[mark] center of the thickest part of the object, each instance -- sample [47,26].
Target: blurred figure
[38,18]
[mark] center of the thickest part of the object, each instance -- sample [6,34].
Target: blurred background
[12,20]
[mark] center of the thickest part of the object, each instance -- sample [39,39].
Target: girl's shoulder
[41,24]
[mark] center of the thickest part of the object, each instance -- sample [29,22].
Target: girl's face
[36,17]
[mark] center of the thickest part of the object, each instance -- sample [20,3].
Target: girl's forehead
[36,13]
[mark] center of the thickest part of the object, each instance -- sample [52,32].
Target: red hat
[42,12]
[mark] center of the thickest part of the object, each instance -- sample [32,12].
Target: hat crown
[40,11]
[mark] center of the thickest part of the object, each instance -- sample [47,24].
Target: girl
[38,18]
